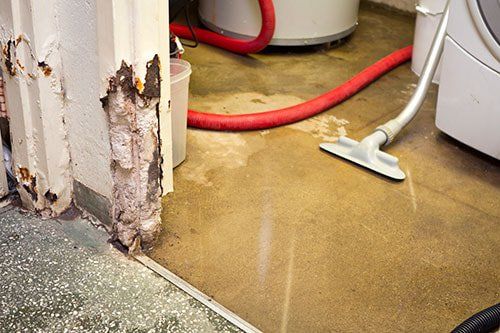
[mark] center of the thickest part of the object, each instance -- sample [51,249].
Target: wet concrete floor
[293,239]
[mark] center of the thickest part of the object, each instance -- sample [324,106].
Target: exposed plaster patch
[135,154]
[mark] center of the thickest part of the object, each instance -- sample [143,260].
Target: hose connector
[390,129]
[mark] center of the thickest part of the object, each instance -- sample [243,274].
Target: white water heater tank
[298,22]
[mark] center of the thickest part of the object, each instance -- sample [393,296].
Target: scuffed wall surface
[132,109]
[405,5]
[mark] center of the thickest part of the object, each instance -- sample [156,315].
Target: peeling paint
[51,197]
[28,183]
[152,86]
[24,174]
[46,69]
[8,56]
[132,111]
[13,65]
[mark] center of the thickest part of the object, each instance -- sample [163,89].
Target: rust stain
[51,197]
[125,80]
[138,84]
[20,65]
[11,68]
[46,69]
[28,182]
[25,175]
[153,79]
[132,86]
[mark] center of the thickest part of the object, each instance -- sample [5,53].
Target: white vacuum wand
[367,153]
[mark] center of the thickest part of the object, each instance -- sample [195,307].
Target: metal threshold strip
[196,294]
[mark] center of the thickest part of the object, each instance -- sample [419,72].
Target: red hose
[269,119]
[236,45]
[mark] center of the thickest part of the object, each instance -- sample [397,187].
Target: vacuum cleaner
[374,159]
[366,153]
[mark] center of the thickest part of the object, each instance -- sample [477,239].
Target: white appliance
[298,22]
[469,93]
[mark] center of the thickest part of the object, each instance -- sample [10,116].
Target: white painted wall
[86,121]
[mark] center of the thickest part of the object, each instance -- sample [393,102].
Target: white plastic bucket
[429,13]
[180,71]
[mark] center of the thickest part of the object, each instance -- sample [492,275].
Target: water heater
[298,22]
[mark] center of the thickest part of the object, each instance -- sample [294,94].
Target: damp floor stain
[295,240]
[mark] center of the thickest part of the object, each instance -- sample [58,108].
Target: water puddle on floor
[293,240]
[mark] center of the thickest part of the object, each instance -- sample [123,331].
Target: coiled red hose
[280,117]
[275,118]
[231,44]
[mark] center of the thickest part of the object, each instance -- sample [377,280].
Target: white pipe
[394,126]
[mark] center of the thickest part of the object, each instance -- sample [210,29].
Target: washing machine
[468,106]
[298,22]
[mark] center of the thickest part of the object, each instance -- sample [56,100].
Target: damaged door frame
[135,90]
[35,95]
[131,42]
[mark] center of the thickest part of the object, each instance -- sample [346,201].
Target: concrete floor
[293,239]
[62,276]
